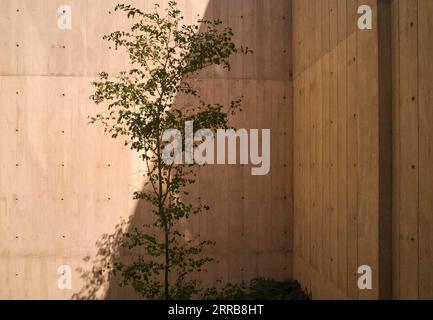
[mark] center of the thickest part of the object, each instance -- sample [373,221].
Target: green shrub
[259,289]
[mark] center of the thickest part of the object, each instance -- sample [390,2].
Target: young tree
[140,106]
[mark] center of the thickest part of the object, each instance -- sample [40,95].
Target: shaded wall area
[341,151]
[63,183]
[362,148]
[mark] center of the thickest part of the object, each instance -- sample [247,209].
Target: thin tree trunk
[165,220]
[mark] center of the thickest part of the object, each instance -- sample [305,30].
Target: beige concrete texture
[64,183]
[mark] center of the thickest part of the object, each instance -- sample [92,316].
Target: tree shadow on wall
[96,279]
[99,281]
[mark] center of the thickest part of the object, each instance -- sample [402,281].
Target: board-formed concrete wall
[363,148]
[360,158]
[412,51]
[341,188]
[64,183]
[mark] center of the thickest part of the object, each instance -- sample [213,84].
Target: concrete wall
[362,148]
[413,143]
[64,183]
[341,191]
[354,187]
